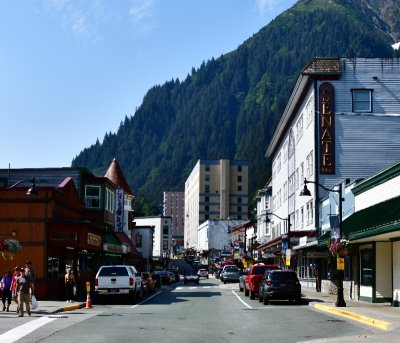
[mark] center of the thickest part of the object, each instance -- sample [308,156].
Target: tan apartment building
[215,189]
[173,206]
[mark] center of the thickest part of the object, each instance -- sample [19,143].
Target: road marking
[192,287]
[240,299]
[381,324]
[23,330]
[147,299]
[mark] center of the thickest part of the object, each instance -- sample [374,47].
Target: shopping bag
[34,303]
[74,290]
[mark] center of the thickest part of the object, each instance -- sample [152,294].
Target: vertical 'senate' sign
[327,128]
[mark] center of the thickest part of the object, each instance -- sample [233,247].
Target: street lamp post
[288,225]
[305,192]
[31,191]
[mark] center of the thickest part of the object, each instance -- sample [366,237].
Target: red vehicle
[252,281]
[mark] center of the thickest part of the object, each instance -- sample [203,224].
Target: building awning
[292,234]
[272,242]
[112,244]
[380,219]
[131,249]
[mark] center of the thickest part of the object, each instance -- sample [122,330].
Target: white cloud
[142,14]
[78,19]
[264,5]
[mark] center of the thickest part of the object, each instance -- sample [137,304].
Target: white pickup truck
[118,280]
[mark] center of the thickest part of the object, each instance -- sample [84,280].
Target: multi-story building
[162,234]
[70,223]
[173,206]
[215,189]
[341,122]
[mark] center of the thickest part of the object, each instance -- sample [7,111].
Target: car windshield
[283,276]
[231,269]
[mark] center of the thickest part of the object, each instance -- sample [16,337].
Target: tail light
[131,281]
[96,282]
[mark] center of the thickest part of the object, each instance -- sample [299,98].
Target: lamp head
[32,190]
[305,191]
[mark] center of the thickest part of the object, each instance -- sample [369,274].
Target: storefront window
[366,267]
[53,268]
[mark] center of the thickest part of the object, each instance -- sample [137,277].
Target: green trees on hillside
[229,106]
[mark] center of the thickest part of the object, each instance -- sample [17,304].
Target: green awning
[375,220]
[324,239]
[111,239]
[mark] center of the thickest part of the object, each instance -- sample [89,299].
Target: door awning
[382,218]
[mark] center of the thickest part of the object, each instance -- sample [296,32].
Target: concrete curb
[380,324]
[70,307]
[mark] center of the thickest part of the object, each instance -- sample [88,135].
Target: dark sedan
[280,285]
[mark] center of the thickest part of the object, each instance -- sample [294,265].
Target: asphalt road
[208,312]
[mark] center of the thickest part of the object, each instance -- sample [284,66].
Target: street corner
[380,324]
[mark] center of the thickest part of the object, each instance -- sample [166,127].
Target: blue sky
[71,70]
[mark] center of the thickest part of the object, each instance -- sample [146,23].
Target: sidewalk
[382,316]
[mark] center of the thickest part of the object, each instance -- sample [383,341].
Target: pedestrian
[69,285]
[31,273]
[5,285]
[14,291]
[24,292]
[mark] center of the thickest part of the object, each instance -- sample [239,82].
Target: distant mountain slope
[229,107]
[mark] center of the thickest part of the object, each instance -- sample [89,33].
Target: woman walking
[69,285]
[5,285]
[14,291]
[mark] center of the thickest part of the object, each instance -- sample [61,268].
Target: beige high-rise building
[215,189]
[173,206]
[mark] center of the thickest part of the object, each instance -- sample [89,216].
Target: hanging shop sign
[327,128]
[94,239]
[64,236]
[119,210]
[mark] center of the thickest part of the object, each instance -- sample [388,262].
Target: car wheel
[252,295]
[265,300]
[224,282]
[260,297]
[246,292]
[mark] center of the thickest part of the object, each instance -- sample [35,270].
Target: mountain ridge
[229,106]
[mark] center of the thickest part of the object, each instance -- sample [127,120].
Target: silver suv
[118,280]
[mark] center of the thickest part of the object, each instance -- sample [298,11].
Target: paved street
[208,312]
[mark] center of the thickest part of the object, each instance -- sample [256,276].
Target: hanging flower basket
[9,248]
[338,248]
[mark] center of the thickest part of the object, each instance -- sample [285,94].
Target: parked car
[176,277]
[117,280]
[230,274]
[163,277]
[281,285]
[256,273]
[203,273]
[190,278]
[242,277]
[218,272]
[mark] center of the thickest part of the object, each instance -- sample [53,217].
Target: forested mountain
[229,106]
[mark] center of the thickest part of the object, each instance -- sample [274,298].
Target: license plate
[113,290]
